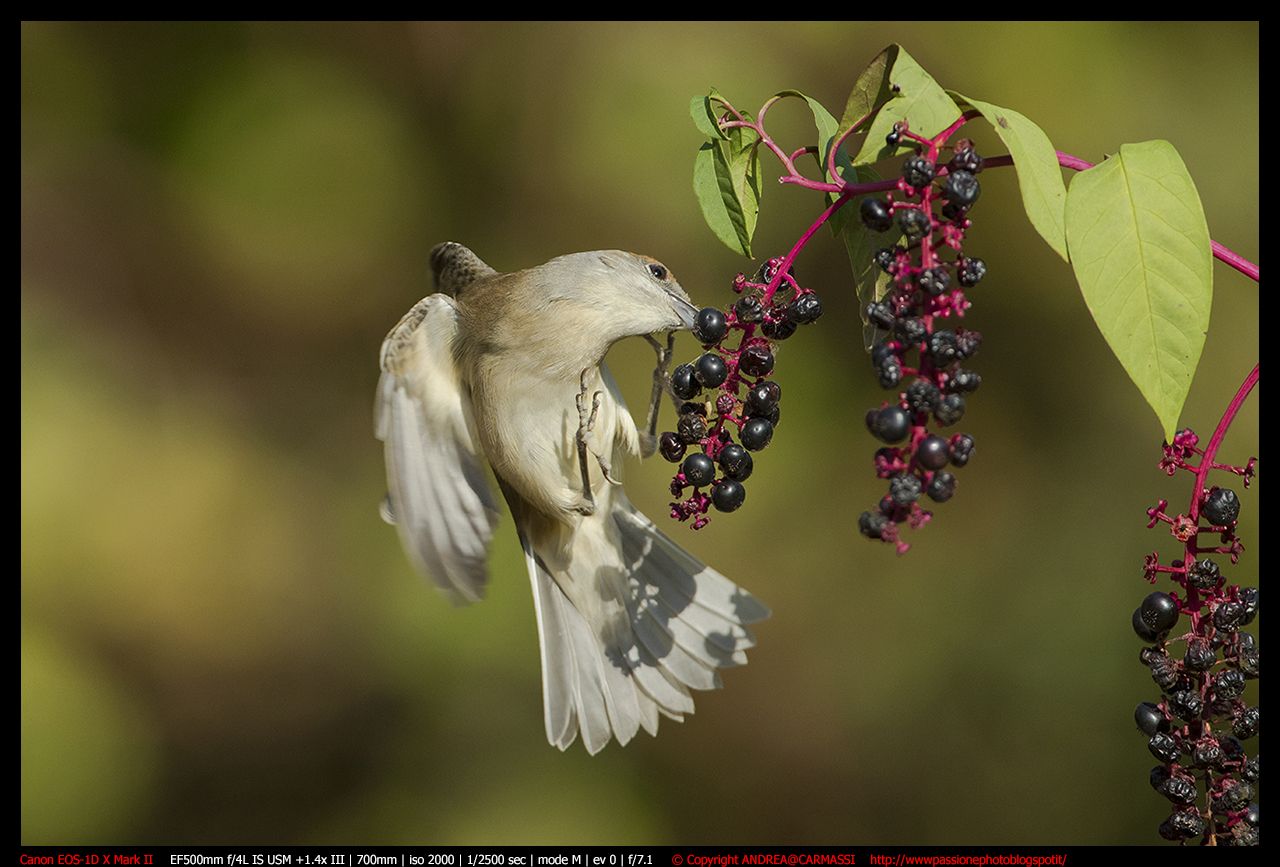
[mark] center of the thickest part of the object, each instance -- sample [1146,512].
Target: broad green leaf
[1044,195]
[918,100]
[726,181]
[823,121]
[860,243]
[706,113]
[1139,245]
[871,90]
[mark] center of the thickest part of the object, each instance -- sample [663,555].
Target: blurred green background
[222,641]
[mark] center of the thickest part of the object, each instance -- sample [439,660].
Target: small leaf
[706,114]
[1140,248]
[726,181]
[918,100]
[823,121]
[1044,195]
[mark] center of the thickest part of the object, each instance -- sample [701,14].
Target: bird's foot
[661,384]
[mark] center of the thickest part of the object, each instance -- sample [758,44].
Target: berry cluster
[705,420]
[912,350]
[1197,728]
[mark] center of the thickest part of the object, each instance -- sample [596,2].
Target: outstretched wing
[438,495]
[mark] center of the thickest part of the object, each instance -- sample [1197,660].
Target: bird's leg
[586,427]
[586,421]
[661,383]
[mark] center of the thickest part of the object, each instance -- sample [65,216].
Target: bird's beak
[684,310]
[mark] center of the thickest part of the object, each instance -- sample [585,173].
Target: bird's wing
[438,495]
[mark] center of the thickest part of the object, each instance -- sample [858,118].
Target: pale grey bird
[507,370]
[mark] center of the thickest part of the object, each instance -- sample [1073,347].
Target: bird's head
[621,294]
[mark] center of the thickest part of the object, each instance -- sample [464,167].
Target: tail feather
[629,623]
[693,581]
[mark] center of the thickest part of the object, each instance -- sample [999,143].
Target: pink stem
[1221,253]
[799,245]
[1211,450]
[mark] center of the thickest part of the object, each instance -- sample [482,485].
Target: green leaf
[860,243]
[823,121]
[918,100]
[706,114]
[1140,248]
[1044,195]
[871,90]
[726,180]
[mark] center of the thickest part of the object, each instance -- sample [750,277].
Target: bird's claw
[661,384]
[585,442]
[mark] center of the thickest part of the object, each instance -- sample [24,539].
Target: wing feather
[439,495]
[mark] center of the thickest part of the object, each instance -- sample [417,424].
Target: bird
[504,374]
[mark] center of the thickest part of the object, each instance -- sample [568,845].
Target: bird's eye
[658,271]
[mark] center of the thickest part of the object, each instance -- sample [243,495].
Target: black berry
[1221,507]
[728,495]
[671,446]
[1246,724]
[971,271]
[922,396]
[1159,611]
[1228,684]
[885,257]
[965,159]
[963,382]
[872,525]
[918,171]
[1145,632]
[1199,656]
[889,425]
[904,488]
[698,469]
[875,214]
[961,449]
[1163,746]
[889,374]
[756,434]
[736,462]
[950,409]
[913,222]
[933,452]
[961,189]
[709,326]
[935,281]
[683,383]
[756,360]
[942,488]
[942,347]
[880,315]
[779,329]
[691,427]
[710,370]
[1249,599]
[805,309]
[749,309]
[1204,575]
[1150,719]
[911,329]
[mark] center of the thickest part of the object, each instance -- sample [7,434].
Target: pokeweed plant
[1133,230]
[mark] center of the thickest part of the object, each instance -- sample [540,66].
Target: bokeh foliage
[222,642]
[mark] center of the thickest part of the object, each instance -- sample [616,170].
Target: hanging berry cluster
[707,421]
[926,286]
[1197,729]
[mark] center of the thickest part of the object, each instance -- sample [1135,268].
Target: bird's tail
[629,623]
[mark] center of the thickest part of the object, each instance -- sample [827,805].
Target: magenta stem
[1211,450]
[785,267]
[1221,253]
